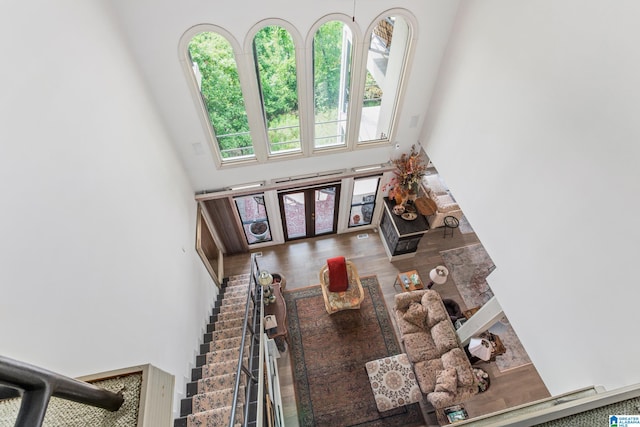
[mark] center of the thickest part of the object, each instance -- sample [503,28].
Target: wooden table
[426,206]
[278,309]
[411,276]
[498,347]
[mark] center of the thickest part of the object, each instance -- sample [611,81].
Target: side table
[450,222]
[409,281]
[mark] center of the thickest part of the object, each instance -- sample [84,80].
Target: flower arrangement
[410,169]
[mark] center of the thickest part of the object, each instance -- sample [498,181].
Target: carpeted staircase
[210,393]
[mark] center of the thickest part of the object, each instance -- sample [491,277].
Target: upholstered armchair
[341,287]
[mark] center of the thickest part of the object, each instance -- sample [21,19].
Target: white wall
[534,130]
[97,226]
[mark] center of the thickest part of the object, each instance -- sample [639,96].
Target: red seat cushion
[338,278]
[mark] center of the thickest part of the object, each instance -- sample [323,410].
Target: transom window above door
[281,96]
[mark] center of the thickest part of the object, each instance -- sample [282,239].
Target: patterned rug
[329,356]
[469,267]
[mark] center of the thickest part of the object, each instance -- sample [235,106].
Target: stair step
[237,287]
[234,300]
[227,333]
[235,308]
[216,399]
[217,368]
[231,315]
[220,368]
[223,355]
[235,292]
[207,401]
[218,382]
[226,343]
[227,324]
[236,283]
[215,417]
[222,344]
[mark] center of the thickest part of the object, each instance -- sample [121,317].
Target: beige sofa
[442,368]
[445,204]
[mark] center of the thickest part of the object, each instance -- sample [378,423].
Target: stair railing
[255,342]
[37,385]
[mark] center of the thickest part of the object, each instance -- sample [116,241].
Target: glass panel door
[363,201]
[325,210]
[292,206]
[310,212]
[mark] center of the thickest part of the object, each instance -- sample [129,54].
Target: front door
[310,212]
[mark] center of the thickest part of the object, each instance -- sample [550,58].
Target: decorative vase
[401,196]
[398,197]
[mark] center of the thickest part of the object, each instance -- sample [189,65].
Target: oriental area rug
[329,353]
[469,267]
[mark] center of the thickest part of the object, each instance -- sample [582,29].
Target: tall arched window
[215,70]
[332,59]
[386,59]
[340,93]
[275,59]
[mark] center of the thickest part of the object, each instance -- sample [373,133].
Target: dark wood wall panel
[222,214]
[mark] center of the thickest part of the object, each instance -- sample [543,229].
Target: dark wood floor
[300,263]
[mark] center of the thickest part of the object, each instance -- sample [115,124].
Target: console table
[400,237]
[278,309]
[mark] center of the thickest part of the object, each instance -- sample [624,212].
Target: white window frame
[246,66]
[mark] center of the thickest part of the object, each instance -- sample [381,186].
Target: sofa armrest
[441,399]
[403,299]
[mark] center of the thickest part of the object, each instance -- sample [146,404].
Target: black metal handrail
[37,385]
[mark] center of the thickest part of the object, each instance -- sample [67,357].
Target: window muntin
[239,143]
[253,216]
[363,201]
[384,68]
[331,83]
[214,67]
[275,58]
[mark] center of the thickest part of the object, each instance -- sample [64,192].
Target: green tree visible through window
[221,93]
[331,77]
[276,62]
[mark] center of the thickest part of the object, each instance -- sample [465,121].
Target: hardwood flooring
[300,262]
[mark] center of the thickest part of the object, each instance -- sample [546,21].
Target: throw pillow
[415,314]
[338,279]
[447,380]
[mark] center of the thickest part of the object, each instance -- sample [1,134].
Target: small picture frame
[456,413]
[270,321]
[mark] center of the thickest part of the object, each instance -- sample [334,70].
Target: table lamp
[266,279]
[438,276]
[480,348]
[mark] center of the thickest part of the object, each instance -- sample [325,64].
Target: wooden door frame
[204,233]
